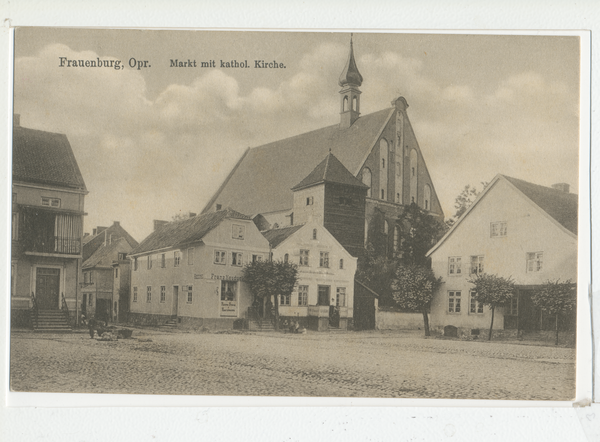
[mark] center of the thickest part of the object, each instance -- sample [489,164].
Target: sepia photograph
[296,214]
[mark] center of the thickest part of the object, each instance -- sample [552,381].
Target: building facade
[190,271]
[379,149]
[514,229]
[323,298]
[48,194]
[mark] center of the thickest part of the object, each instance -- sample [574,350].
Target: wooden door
[47,288]
[175,300]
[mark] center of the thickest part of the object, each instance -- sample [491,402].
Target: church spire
[350,74]
[350,81]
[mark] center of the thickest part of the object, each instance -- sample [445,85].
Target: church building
[379,150]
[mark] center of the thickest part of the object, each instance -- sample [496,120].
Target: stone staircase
[51,321]
[261,325]
[171,323]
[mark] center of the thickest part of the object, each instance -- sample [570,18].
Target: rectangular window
[454,301]
[324,260]
[257,258]
[163,293]
[304,257]
[498,229]
[122,256]
[475,306]
[228,290]
[149,262]
[50,202]
[341,264]
[191,256]
[135,264]
[535,262]
[163,260]
[190,294]
[309,201]
[220,257]
[91,299]
[135,294]
[149,294]
[454,265]
[15,226]
[284,299]
[302,295]
[176,259]
[238,231]
[236,259]
[340,297]
[477,265]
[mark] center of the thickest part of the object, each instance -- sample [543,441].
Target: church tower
[350,81]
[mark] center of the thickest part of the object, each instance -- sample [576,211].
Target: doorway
[47,287]
[175,306]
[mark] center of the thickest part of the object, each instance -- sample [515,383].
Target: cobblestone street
[359,364]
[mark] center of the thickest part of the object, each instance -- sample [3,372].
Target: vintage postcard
[297,214]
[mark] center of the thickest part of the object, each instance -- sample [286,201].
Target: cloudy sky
[158,141]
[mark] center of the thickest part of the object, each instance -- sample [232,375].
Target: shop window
[228,290]
[302,295]
[340,297]
[454,301]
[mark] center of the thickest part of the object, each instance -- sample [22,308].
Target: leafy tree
[271,278]
[464,200]
[493,291]
[420,232]
[413,287]
[555,297]
[376,271]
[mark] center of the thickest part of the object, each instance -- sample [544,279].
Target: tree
[464,200]
[376,271]
[555,297]
[413,288]
[271,278]
[493,291]
[420,232]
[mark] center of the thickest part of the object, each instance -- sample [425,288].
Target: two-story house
[324,294]
[48,195]
[513,229]
[190,271]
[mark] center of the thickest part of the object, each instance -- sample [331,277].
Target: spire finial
[350,74]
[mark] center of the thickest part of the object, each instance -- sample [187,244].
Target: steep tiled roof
[186,231]
[45,158]
[262,179]
[105,254]
[277,236]
[330,170]
[91,243]
[561,206]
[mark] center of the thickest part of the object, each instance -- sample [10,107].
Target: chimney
[94,231]
[16,120]
[563,187]
[159,223]
[116,223]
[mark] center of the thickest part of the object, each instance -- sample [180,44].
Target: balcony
[48,232]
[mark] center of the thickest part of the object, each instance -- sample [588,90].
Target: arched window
[345,103]
[286,257]
[386,227]
[413,175]
[383,174]
[427,197]
[366,232]
[396,238]
[366,179]
[355,104]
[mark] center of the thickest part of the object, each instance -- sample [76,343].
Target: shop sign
[229,308]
